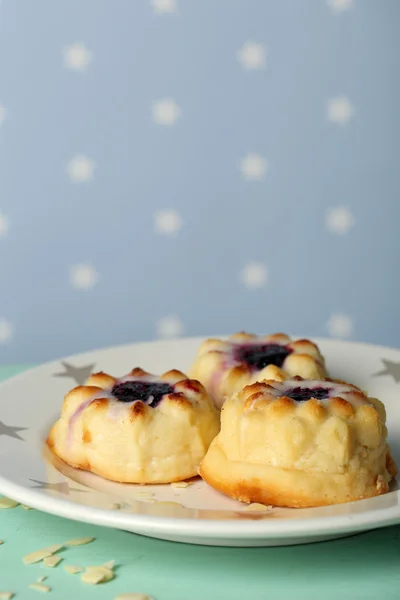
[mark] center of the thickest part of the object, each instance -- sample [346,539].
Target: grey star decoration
[391,368]
[62,487]
[80,374]
[11,432]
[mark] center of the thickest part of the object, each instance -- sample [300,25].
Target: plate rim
[185,527]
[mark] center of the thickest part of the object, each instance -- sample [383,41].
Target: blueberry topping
[258,356]
[300,394]
[148,392]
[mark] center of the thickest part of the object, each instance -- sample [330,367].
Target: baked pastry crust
[225,367]
[159,437]
[293,444]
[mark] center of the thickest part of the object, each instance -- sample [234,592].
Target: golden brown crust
[274,449]
[131,441]
[223,375]
[287,488]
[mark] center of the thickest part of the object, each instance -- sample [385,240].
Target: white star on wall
[165,111]
[6,331]
[81,168]
[254,275]
[339,110]
[340,325]
[339,6]
[339,220]
[83,276]
[253,167]
[169,326]
[77,57]
[162,7]
[252,56]
[3,225]
[3,113]
[167,222]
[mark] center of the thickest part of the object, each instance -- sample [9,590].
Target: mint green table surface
[364,567]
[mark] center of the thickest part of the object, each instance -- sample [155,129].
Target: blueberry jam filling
[300,394]
[259,356]
[148,392]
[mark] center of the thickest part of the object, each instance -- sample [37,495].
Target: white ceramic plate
[30,402]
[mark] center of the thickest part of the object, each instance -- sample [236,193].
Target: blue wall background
[197,166]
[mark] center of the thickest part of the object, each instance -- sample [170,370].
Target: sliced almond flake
[168,503]
[72,569]
[109,565]
[41,578]
[8,503]
[6,595]
[95,575]
[25,507]
[39,555]
[92,577]
[180,484]
[144,494]
[1,542]
[133,596]
[79,541]
[52,561]
[258,506]
[39,587]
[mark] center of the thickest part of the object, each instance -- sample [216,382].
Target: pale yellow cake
[224,367]
[300,443]
[138,429]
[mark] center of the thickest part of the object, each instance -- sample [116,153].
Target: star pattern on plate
[12,431]
[391,368]
[61,487]
[78,374]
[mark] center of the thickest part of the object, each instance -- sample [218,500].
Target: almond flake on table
[6,595]
[73,569]
[95,575]
[41,579]
[39,587]
[8,503]
[133,596]
[52,561]
[39,555]
[180,484]
[25,507]
[1,542]
[79,541]
[109,565]
[258,506]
